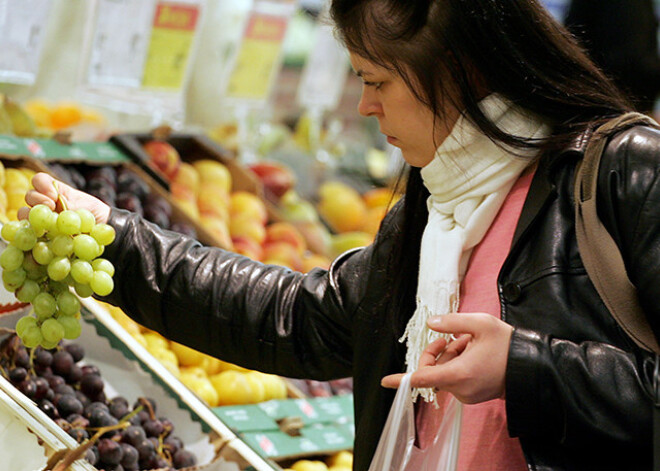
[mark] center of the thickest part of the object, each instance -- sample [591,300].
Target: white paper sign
[22,25]
[120,42]
[324,75]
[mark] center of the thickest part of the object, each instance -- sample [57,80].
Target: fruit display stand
[233,448]
[41,154]
[190,148]
[29,440]
[127,374]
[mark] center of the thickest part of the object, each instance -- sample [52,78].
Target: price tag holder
[22,27]
[120,41]
[324,76]
[258,58]
[171,43]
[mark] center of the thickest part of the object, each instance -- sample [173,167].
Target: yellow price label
[258,58]
[170,45]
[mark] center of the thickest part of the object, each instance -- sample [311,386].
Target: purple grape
[75,375]
[101,418]
[147,403]
[153,428]
[183,459]
[92,455]
[172,444]
[43,388]
[17,375]
[91,385]
[68,405]
[133,435]
[93,407]
[64,390]
[145,449]
[90,370]
[77,351]
[22,358]
[130,457]
[28,388]
[62,363]
[48,408]
[84,400]
[105,173]
[55,380]
[118,407]
[78,434]
[110,452]
[168,426]
[130,202]
[77,420]
[43,358]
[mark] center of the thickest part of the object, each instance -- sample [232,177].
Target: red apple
[277,178]
[164,157]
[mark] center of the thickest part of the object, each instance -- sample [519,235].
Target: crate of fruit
[92,385]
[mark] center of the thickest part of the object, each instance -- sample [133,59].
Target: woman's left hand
[472,367]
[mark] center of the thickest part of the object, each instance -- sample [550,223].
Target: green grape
[87,220]
[32,336]
[48,345]
[71,326]
[104,234]
[24,239]
[104,265]
[62,245]
[14,279]
[42,253]
[68,222]
[102,283]
[82,271]
[68,303]
[56,287]
[40,218]
[9,230]
[23,323]
[85,247]
[44,305]
[59,268]
[83,290]
[11,258]
[28,291]
[52,330]
[32,268]
[101,250]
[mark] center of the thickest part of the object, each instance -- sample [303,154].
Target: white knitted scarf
[468,179]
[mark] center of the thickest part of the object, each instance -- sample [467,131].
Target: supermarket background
[265,155]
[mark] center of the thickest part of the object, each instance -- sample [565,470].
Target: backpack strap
[599,252]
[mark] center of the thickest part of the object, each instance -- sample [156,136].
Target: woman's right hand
[47,191]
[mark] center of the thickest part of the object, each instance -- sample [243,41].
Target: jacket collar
[542,188]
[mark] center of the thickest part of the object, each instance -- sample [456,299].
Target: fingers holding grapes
[59,196]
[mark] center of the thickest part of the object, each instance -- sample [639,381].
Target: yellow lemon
[14,178]
[187,356]
[155,340]
[201,386]
[341,459]
[258,388]
[274,385]
[308,465]
[232,387]
[211,365]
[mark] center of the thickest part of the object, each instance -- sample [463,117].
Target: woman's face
[407,123]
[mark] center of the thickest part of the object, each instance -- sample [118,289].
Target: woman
[486,227]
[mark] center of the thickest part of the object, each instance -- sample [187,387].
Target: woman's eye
[376,85]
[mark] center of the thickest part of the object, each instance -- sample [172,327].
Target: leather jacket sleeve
[585,393]
[258,316]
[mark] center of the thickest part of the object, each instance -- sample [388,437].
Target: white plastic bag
[396,449]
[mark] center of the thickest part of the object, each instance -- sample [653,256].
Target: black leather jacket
[578,391]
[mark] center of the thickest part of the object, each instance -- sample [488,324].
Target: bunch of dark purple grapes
[72,394]
[122,188]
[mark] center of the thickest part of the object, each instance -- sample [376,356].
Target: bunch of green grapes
[47,254]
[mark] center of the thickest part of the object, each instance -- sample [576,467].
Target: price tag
[22,25]
[259,55]
[326,68]
[120,41]
[170,47]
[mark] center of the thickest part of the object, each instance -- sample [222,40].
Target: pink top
[485,443]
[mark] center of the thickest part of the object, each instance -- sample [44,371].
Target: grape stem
[63,462]
[60,199]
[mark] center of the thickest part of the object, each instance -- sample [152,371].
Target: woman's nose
[369,105]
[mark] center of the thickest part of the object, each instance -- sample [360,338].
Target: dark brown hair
[511,47]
